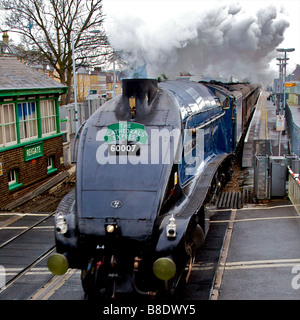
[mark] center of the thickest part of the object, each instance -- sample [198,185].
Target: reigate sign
[33,151]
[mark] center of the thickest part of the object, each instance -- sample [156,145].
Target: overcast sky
[181,24]
[205,37]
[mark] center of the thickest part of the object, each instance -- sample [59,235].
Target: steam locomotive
[147,163]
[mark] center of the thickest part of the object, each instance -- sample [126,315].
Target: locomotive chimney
[138,95]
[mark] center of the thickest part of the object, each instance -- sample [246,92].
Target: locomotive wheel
[194,240]
[85,281]
[89,280]
[197,238]
[169,289]
[171,286]
[88,283]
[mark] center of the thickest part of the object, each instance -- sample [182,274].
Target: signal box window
[7,124]
[28,120]
[13,180]
[48,117]
[51,165]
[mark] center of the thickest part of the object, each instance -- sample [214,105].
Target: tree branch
[46,28]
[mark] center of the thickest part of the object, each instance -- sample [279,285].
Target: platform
[262,137]
[263,257]
[261,253]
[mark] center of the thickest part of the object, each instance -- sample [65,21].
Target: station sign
[280,123]
[33,151]
[290,84]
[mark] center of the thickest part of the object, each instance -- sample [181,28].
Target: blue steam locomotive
[147,162]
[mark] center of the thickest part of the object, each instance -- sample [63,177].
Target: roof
[5,48]
[16,76]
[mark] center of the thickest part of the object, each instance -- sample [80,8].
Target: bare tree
[46,27]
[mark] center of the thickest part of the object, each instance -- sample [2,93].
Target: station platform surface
[261,252]
[263,257]
[262,137]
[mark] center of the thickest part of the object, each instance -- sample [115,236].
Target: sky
[215,37]
[204,37]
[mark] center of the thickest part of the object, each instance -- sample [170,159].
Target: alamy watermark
[2,277]
[128,142]
[296,278]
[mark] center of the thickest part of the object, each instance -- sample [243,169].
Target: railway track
[28,240]
[24,245]
[199,287]
[24,228]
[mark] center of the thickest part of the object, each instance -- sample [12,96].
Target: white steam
[222,40]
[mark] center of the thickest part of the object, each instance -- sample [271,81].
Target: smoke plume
[223,40]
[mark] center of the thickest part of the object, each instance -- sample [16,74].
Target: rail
[294,189]
[22,240]
[26,230]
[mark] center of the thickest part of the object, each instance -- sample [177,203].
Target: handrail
[294,175]
[75,143]
[203,125]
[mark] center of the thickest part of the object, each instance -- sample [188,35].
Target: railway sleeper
[229,200]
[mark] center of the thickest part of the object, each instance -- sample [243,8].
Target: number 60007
[123,149]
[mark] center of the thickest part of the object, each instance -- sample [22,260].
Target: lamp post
[280,85]
[284,92]
[75,79]
[284,69]
[281,64]
[114,71]
[74,84]
[115,52]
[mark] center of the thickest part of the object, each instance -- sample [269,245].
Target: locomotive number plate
[124,149]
